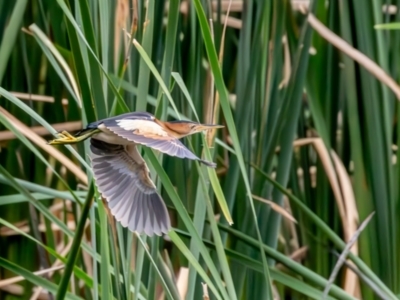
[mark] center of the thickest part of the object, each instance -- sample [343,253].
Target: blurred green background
[308,152]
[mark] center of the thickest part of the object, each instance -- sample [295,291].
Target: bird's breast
[142,127]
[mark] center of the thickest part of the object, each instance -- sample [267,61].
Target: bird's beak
[202,127]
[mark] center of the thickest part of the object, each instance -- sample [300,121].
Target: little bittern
[121,174]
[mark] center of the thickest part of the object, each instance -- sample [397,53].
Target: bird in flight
[121,174]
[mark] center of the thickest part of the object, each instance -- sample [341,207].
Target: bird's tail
[65,137]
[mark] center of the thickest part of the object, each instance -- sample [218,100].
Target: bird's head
[184,128]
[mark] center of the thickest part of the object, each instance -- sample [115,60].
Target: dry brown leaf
[121,22]
[40,130]
[299,254]
[182,281]
[33,97]
[229,21]
[57,264]
[351,283]
[342,189]
[228,5]
[280,210]
[42,143]
[5,231]
[354,54]
[294,239]
[225,18]
[16,279]
[205,291]
[287,64]
[18,290]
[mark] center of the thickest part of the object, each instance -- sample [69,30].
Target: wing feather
[105,179]
[148,225]
[115,211]
[124,182]
[126,215]
[156,215]
[165,144]
[138,216]
[117,189]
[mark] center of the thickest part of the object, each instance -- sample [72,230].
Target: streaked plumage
[121,174]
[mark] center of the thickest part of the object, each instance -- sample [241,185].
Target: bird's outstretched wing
[121,176]
[136,115]
[150,134]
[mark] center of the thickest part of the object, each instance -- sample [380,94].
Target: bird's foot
[64,137]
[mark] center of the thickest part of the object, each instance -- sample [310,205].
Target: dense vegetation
[308,97]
